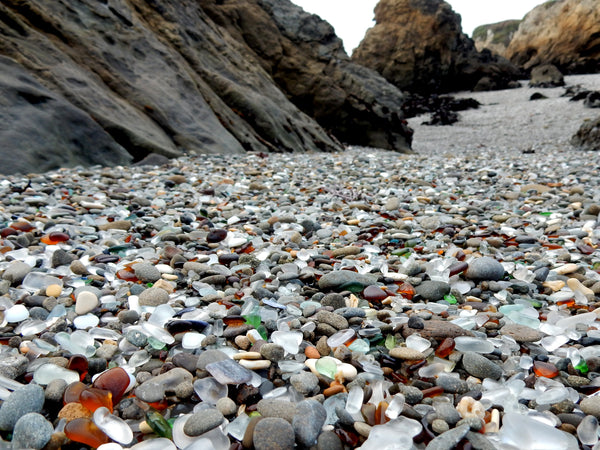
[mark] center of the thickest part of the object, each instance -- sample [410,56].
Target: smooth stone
[272,352]
[346,251]
[479,441]
[273,407]
[255,364]
[521,333]
[304,382]
[13,366]
[55,389]
[153,390]
[153,296]
[86,302]
[273,433]
[336,279]
[210,356]
[591,406]
[433,290]
[336,321]
[485,268]
[308,422]
[32,431]
[26,399]
[202,422]
[336,301]
[436,329]
[449,439]
[226,406]
[451,384]
[447,412]
[406,353]
[146,272]
[16,271]
[481,367]
[328,440]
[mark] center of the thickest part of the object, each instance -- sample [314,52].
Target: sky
[352,18]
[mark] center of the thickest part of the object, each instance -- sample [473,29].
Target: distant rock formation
[495,36]
[160,76]
[588,136]
[565,33]
[419,46]
[308,62]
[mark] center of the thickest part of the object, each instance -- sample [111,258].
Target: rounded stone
[16,271]
[272,352]
[202,422]
[26,399]
[86,302]
[481,367]
[328,440]
[55,390]
[485,268]
[32,431]
[226,406]
[433,290]
[153,297]
[304,382]
[146,272]
[406,353]
[591,406]
[521,333]
[54,290]
[308,422]
[273,433]
[268,407]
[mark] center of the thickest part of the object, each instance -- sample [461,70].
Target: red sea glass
[79,363]
[374,294]
[56,237]
[445,348]
[115,380]
[544,369]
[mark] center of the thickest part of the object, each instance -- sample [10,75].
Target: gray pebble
[273,433]
[146,272]
[226,406]
[308,421]
[32,431]
[433,290]
[328,440]
[452,384]
[449,439]
[305,382]
[128,316]
[337,280]
[589,405]
[349,313]
[16,271]
[276,408]
[481,367]
[447,413]
[412,394]
[137,338]
[485,268]
[272,352]
[153,297]
[521,333]
[26,399]
[479,441]
[332,319]
[55,390]
[13,366]
[336,301]
[202,422]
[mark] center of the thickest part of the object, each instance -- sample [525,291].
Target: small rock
[481,367]
[226,406]
[146,272]
[86,302]
[449,439]
[153,297]
[272,352]
[308,422]
[32,431]
[304,382]
[273,433]
[26,399]
[406,353]
[16,271]
[338,280]
[202,422]
[433,290]
[521,333]
[277,408]
[589,405]
[485,268]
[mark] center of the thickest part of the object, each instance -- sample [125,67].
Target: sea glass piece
[445,348]
[94,398]
[355,398]
[155,444]
[229,372]
[473,344]
[587,430]
[417,342]
[340,338]
[395,406]
[86,432]
[158,423]
[115,380]
[16,313]
[210,390]
[114,427]
[327,366]
[289,340]
[521,431]
[49,372]
[544,369]
[34,281]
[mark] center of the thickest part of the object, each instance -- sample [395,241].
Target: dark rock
[537,96]
[588,135]
[435,55]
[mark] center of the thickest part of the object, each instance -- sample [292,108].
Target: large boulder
[588,135]
[495,36]
[546,76]
[419,46]
[308,62]
[41,130]
[565,33]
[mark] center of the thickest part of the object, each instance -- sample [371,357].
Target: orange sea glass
[54,238]
[94,398]
[544,369]
[406,290]
[73,391]
[115,380]
[86,432]
[79,363]
[445,348]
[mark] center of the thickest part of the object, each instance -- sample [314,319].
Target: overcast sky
[352,18]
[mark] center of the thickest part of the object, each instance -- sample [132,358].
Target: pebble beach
[366,299]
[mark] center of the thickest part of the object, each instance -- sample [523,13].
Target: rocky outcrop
[418,45]
[546,76]
[588,135]
[307,60]
[495,36]
[565,33]
[160,76]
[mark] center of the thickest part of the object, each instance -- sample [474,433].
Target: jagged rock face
[418,45]
[495,36]
[565,33]
[307,60]
[588,136]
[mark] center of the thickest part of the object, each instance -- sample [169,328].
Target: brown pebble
[247,441]
[72,411]
[332,390]
[312,352]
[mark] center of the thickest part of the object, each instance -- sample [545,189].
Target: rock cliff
[160,76]
[495,36]
[565,33]
[418,45]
